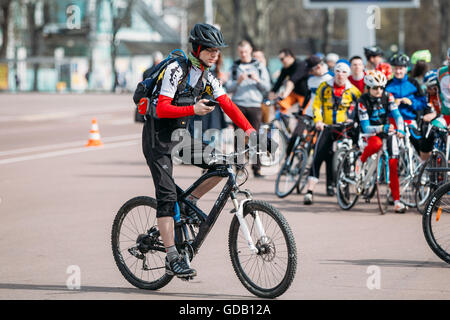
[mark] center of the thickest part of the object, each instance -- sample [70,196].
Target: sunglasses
[378,88]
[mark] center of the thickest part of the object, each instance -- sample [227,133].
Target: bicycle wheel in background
[436,222]
[290,174]
[338,156]
[346,183]
[304,178]
[270,272]
[407,178]
[427,182]
[137,246]
[383,190]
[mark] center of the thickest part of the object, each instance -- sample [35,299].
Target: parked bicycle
[260,242]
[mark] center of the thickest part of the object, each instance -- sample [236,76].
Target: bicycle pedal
[188,278]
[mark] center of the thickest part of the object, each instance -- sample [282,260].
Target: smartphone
[212,103]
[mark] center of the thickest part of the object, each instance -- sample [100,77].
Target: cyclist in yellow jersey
[334,103]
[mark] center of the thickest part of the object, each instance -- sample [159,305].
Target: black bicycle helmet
[373,52]
[207,35]
[399,60]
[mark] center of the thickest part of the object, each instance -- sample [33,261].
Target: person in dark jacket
[296,72]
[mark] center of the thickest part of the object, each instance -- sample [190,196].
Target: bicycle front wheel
[137,246]
[270,272]
[383,190]
[347,180]
[436,222]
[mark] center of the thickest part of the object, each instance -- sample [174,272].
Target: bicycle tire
[272,256]
[293,172]
[343,188]
[305,175]
[162,278]
[430,220]
[407,181]
[337,158]
[383,190]
[425,187]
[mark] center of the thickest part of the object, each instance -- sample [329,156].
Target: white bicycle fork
[244,227]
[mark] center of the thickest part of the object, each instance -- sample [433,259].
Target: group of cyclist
[327,96]
[383,99]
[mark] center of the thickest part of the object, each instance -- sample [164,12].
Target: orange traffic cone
[94,140]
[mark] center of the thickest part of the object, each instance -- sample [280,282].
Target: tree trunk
[328,24]
[33,40]
[237,27]
[5,10]
[444,27]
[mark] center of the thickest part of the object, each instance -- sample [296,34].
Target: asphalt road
[58,200]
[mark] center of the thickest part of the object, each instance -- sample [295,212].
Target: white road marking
[68,144]
[63,114]
[66,152]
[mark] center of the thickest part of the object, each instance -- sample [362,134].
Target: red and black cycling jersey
[165,107]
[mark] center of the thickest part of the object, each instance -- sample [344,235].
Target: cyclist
[172,109]
[331,59]
[431,82]
[334,102]
[407,91]
[374,56]
[444,89]
[296,71]
[423,144]
[357,76]
[386,68]
[374,109]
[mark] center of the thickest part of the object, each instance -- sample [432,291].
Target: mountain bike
[436,219]
[427,181]
[260,242]
[295,164]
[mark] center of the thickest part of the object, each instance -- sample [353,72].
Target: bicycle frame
[207,221]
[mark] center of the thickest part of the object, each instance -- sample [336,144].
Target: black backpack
[149,87]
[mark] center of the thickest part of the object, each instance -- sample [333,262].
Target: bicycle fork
[239,212]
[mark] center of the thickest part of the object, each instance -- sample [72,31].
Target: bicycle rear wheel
[137,247]
[383,190]
[436,222]
[270,272]
[346,186]
[290,174]
[427,182]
